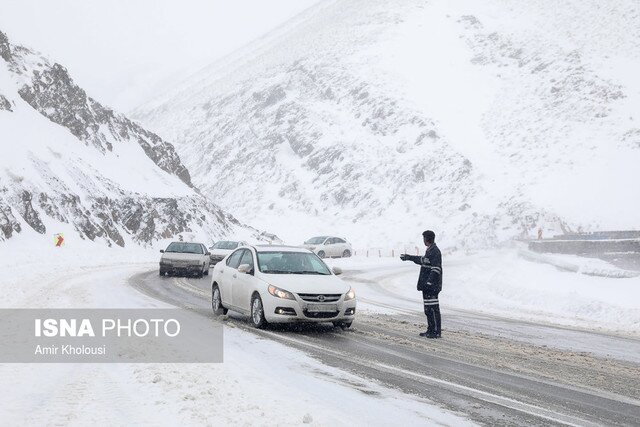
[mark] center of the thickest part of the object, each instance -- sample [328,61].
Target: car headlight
[280,293]
[350,295]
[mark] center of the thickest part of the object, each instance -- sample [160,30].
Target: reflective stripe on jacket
[430,278]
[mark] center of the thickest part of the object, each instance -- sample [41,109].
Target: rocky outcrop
[109,220]
[8,222]
[4,103]
[5,47]
[29,214]
[53,182]
[50,90]
[54,94]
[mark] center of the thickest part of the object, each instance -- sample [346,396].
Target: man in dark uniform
[429,282]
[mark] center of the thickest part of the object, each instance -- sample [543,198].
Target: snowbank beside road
[501,282]
[577,264]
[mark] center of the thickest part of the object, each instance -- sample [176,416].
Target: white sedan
[221,249]
[329,246]
[280,284]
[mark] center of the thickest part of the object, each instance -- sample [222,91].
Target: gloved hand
[404,257]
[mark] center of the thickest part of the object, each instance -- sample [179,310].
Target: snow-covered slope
[70,164]
[376,119]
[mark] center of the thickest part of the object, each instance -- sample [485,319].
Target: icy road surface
[492,369]
[262,382]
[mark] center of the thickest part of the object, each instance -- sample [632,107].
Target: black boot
[428,334]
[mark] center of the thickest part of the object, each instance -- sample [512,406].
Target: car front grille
[320,315]
[180,262]
[320,297]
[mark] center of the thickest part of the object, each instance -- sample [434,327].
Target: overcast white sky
[121,51]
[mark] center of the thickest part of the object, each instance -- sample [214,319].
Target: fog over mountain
[377,119]
[72,165]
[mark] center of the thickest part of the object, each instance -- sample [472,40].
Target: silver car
[185,258]
[329,246]
[221,249]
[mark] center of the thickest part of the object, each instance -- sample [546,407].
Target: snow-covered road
[262,382]
[489,368]
[378,293]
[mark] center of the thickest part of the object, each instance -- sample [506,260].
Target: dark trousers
[432,310]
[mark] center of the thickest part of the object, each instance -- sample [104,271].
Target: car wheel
[216,302]
[206,270]
[321,254]
[257,313]
[346,253]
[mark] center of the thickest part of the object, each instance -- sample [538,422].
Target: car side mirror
[244,268]
[337,271]
[161,251]
[208,253]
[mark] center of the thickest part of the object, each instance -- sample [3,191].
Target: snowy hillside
[376,119]
[70,164]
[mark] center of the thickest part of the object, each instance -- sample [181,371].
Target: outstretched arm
[415,258]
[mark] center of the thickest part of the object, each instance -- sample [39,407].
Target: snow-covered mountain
[483,120]
[70,164]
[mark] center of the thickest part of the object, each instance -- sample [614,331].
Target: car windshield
[316,240]
[291,263]
[185,248]
[225,245]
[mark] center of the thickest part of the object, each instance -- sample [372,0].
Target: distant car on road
[221,249]
[185,258]
[329,246]
[281,284]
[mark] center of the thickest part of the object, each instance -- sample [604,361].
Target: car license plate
[322,308]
